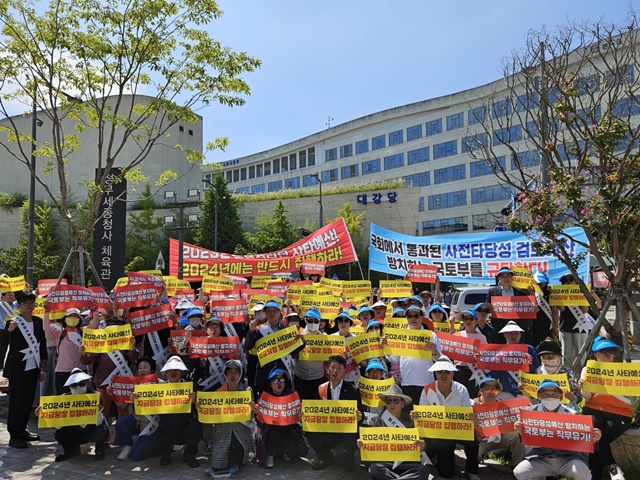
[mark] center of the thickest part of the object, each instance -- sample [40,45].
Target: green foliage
[145,235]
[9,201]
[274,232]
[356,229]
[137,264]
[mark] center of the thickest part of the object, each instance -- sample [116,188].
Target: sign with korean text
[395,289]
[309,267]
[260,281]
[329,306]
[523,279]
[278,289]
[420,273]
[408,343]
[334,416]
[177,339]
[445,327]
[151,319]
[100,296]
[388,444]
[612,378]
[273,410]
[204,347]
[321,347]
[68,410]
[566,296]
[494,356]
[68,296]
[14,284]
[224,407]
[161,398]
[137,295]
[496,418]
[212,283]
[278,344]
[123,387]
[141,278]
[356,289]
[334,285]
[458,348]
[369,390]
[450,423]
[104,340]
[531,381]
[44,285]
[230,310]
[560,431]
[520,307]
[395,322]
[365,346]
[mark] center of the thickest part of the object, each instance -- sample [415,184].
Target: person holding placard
[464,373]
[437,313]
[344,322]
[482,312]
[309,374]
[7,311]
[375,370]
[543,324]
[379,310]
[550,354]
[504,288]
[612,414]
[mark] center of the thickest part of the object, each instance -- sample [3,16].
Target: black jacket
[15,363]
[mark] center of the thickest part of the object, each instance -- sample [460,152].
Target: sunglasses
[343,320]
[312,320]
[393,401]
[482,310]
[76,385]
[413,316]
[607,352]
[490,390]
[278,380]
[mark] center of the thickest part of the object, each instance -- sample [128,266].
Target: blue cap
[469,312]
[313,313]
[344,315]
[540,277]
[375,363]
[437,307]
[397,310]
[184,321]
[232,363]
[414,308]
[548,384]
[365,308]
[504,270]
[373,323]
[213,318]
[272,304]
[416,298]
[195,311]
[601,343]
[275,372]
[403,300]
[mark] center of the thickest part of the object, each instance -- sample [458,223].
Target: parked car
[468,297]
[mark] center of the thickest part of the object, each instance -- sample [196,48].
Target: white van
[467,297]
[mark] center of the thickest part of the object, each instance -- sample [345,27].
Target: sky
[344,59]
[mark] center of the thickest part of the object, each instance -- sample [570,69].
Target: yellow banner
[224,407]
[395,289]
[294,294]
[170,284]
[409,343]
[365,346]
[356,330]
[329,306]
[356,289]
[122,281]
[68,410]
[531,381]
[212,283]
[324,291]
[161,398]
[395,322]
[255,299]
[260,281]
[450,423]
[369,390]
[320,347]
[522,278]
[334,416]
[104,340]
[334,285]
[446,327]
[388,444]
[155,273]
[567,295]
[277,345]
[14,284]
[612,378]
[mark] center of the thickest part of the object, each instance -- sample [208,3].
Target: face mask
[552,365]
[78,390]
[313,327]
[195,323]
[260,315]
[551,404]
[72,321]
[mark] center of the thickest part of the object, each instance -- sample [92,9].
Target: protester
[7,311]
[464,373]
[364,315]
[344,323]
[504,288]
[375,370]
[482,312]
[309,374]
[379,310]
[437,313]
[27,355]
[550,354]
[542,325]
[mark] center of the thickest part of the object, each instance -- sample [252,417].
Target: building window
[396,138]
[455,121]
[330,155]
[284,164]
[243,174]
[414,133]
[529,159]
[447,200]
[502,108]
[276,166]
[346,151]
[474,142]
[418,156]
[418,179]
[623,76]
[293,162]
[444,225]
[394,161]
[349,172]
[421,204]
[275,186]
[434,127]
[311,156]
[587,85]
[449,174]
[476,115]
[242,190]
[258,188]
[267,168]
[446,149]
[236,175]
[485,221]
[259,170]
[252,172]
[229,175]
[362,146]
[290,183]
[480,168]
[626,107]
[302,158]
[372,166]
[527,101]
[329,175]
[309,181]
[491,193]
[507,135]
[378,142]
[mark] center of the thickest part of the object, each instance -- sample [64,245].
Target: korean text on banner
[14,284]
[309,267]
[151,319]
[216,284]
[422,273]
[104,340]
[321,347]
[494,356]
[224,407]
[356,289]
[204,347]
[458,348]
[567,296]
[369,390]
[395,288]
[523,279]
[388,444]
[44,285]
[272,410]
[559,431]
[67,410]
[122,387]
[365,346]
[140,295]
[409,343]
[161,398]
[520,307]
[277,345]
[333,416]
[531,381]
[612,378]
[230,310]
[498,417]
[177,339]
[67,296]
[450,423]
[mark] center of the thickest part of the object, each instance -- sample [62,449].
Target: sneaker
[67,454]
[286,457]
[615,472]
[218,473]
[269,463]
[190,460]
[124,454]
[208,448]
[177,448]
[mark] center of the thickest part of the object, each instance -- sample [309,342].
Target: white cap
[379,303]
[72,311]
[174,363]
[511,327]
[443,363]
[257,308]
[184,304]
[77,376]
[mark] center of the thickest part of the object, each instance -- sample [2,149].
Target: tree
[230,230]
[274,232]
[108,53]
[146,236]
[356,230]
[568,123]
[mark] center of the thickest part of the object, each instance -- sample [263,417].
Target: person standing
[27,356]
[7,310]
[505,288]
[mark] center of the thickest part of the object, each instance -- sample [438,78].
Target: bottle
[41,375]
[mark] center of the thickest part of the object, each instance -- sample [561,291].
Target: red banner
[141,295]
[494,356]
[231,310]
[498,417]
[177,337]
[278,289]
[561,431]
[45,285]
[217,296]
[69,296]
[185,295]
[247,293]
[331,245]
[138,278]
[313,268]
[122,387]
[204,347]
[272,410]
[150,319]
[514,307]
[102,299]
[422,273]
[458,348]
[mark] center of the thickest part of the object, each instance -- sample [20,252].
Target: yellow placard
[395,289]
[334,285]
[224,407]
[409,343]
[13,284]
[278,344]
[388,444]
[531,381]
[320,347]
[356,289]
[255,299]
[294,294]
[334,416]
[260,281]
[450,423]
[161,398]
[612,378]
[329,306]
[445,327]
[324,291]
[155,273]
[104,340]
[39,309]
[357,330]
[369,390]
[365,346]
[68,410]
[171,283]
[122,281]
[211,283]
[522,278]
[566,296]
[395,322]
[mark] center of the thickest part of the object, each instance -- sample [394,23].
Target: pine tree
[274,232]
[145,235]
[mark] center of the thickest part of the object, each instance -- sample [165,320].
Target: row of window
[302,159]
[483,221]
[491,193]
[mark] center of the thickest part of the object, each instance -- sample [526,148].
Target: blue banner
[469,257]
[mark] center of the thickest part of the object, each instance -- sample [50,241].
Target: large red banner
[67,296]
[458,348]
[498,417]
[272,410]
[331,244]
[561,431]
[151,319]
[122,387]
[494,356]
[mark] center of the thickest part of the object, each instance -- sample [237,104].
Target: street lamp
[215,214]
[193,196]
[35,123]
[321,216]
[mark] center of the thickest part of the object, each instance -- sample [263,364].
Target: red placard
[238,281]
[185,294]
[494,356]
[231,310]
[69,296]
[521,307]
[313,268]
[204,347]
[422,273]
[122,387]
[140,295]
[45,285]
[561,431]
[217,296]
[278,289]
[102,299]
[272,410]
[151,319]
[138,278]
[498,417]
[458,348]
[246,293]
[177,337]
